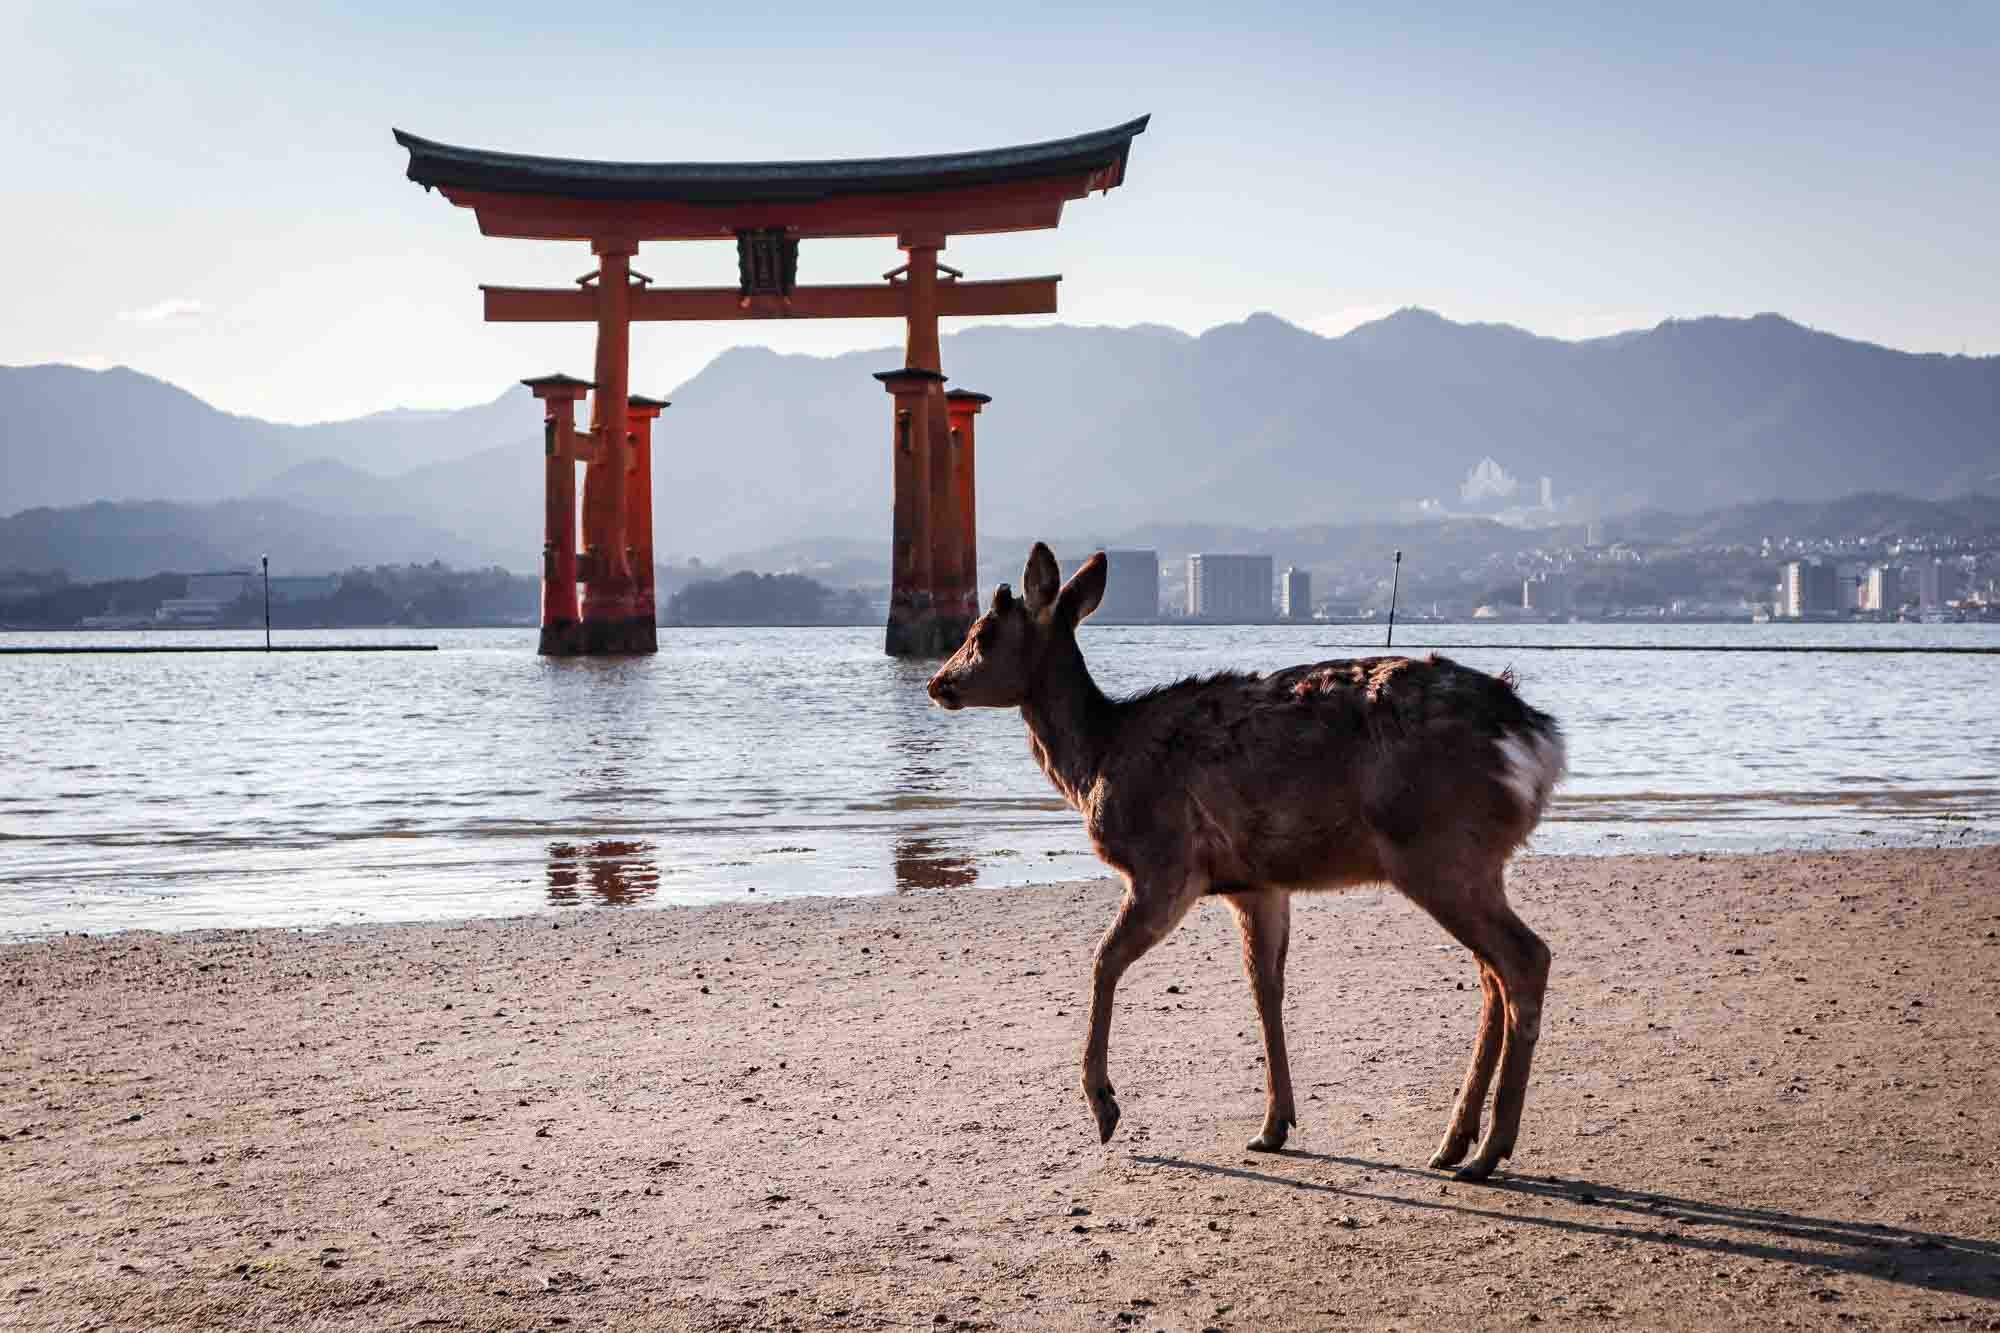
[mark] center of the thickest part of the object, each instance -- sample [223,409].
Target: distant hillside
[1432,547]
[110,541]
[70,436]
[105,541]
[1870,517]
[1254,425]
[1262,424]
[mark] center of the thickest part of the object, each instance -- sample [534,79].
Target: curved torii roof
[1101,154]
[999,189]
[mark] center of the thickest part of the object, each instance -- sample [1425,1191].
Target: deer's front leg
[1265,918]
[1153,905]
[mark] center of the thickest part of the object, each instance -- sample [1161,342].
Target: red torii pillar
[964,405]
[560,448]
[610,624]
[951,604]
[639,521]
[930,599]
[912,628]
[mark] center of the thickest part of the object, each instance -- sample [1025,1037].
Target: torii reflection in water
[926,863]
[923,860]
[618,874]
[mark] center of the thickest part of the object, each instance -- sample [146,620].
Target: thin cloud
[174,311]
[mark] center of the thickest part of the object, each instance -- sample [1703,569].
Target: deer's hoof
[1273,1137]
[1451,1152]
[1105,1107]
[1479,1168]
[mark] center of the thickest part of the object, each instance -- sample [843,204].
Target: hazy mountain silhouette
[1870,516]
[391,442]
[71,436]
[1262,424]
[1253,425]
[131,540]
[68,436]
[108,540]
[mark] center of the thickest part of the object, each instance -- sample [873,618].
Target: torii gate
[767,208]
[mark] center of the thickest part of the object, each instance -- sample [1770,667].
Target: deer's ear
[1083,592]
[1040,579]
[1003,600]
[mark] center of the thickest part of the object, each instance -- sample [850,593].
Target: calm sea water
[237,790]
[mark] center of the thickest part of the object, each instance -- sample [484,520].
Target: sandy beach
[1765,1097]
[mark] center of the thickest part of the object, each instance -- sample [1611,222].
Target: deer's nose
[943,691]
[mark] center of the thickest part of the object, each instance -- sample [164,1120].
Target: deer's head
[1013,647]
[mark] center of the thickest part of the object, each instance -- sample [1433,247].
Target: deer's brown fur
[1419,772]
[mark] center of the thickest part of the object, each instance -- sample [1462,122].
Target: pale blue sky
[209,192]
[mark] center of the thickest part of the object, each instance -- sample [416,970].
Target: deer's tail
[1532,759]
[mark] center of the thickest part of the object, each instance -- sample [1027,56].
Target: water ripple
[235,790]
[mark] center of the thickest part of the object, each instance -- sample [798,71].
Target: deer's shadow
[1949,1265]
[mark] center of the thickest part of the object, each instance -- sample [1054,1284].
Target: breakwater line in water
[50,651]
[1872,649]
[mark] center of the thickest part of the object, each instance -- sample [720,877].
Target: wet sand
[1766,1097]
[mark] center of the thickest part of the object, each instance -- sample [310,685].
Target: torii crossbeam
[767,208]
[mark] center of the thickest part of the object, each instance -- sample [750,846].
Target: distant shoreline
[1402,623]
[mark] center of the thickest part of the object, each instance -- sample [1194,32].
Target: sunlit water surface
[237,790]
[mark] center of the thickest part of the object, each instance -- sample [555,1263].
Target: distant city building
[1131,587]
[1851,585]
[1229,587]
[206,598]
[190,611]
[1938,584]
[1547,594]
[1884,590]
[1295,594]
[1548,493]
[1486,482]
[1810,588]
[1593,532]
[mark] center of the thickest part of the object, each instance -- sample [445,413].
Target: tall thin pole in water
[267,603]
[1395,585]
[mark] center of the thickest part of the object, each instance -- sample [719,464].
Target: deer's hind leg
[1153,905]
[1265,919]
[1523,965]
[1463,1129]
[1473,908]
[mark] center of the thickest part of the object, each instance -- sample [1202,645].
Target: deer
[1421,773]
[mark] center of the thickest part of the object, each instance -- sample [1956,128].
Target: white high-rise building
[1295,596]
[1851,585]
[1131,587]
[1884,592]
[1938,582]
[1547,593]
[1810,588]
[1229,587]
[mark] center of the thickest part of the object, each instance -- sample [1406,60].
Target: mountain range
[1253,425]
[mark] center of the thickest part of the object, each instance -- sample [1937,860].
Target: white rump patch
[1530,764]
